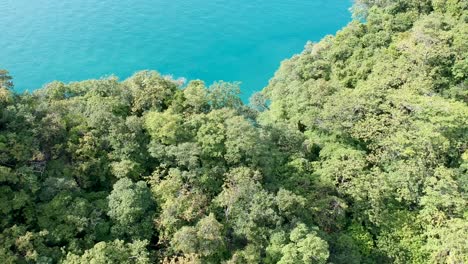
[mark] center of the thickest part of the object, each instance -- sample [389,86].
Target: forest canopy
[356,152]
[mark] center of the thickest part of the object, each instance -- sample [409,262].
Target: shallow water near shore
[242,40]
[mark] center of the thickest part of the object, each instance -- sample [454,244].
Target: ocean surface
[240,40]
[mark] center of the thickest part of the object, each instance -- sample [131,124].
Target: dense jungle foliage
[356,152]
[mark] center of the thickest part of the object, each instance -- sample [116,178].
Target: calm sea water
[240,40]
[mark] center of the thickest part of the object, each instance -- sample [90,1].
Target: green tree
[116,251]
[302,246]
[5,80]
[204,239]
[131,208]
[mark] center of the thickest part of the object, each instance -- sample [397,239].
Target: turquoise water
[240,40]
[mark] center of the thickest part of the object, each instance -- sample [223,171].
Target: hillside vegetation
[356,152]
